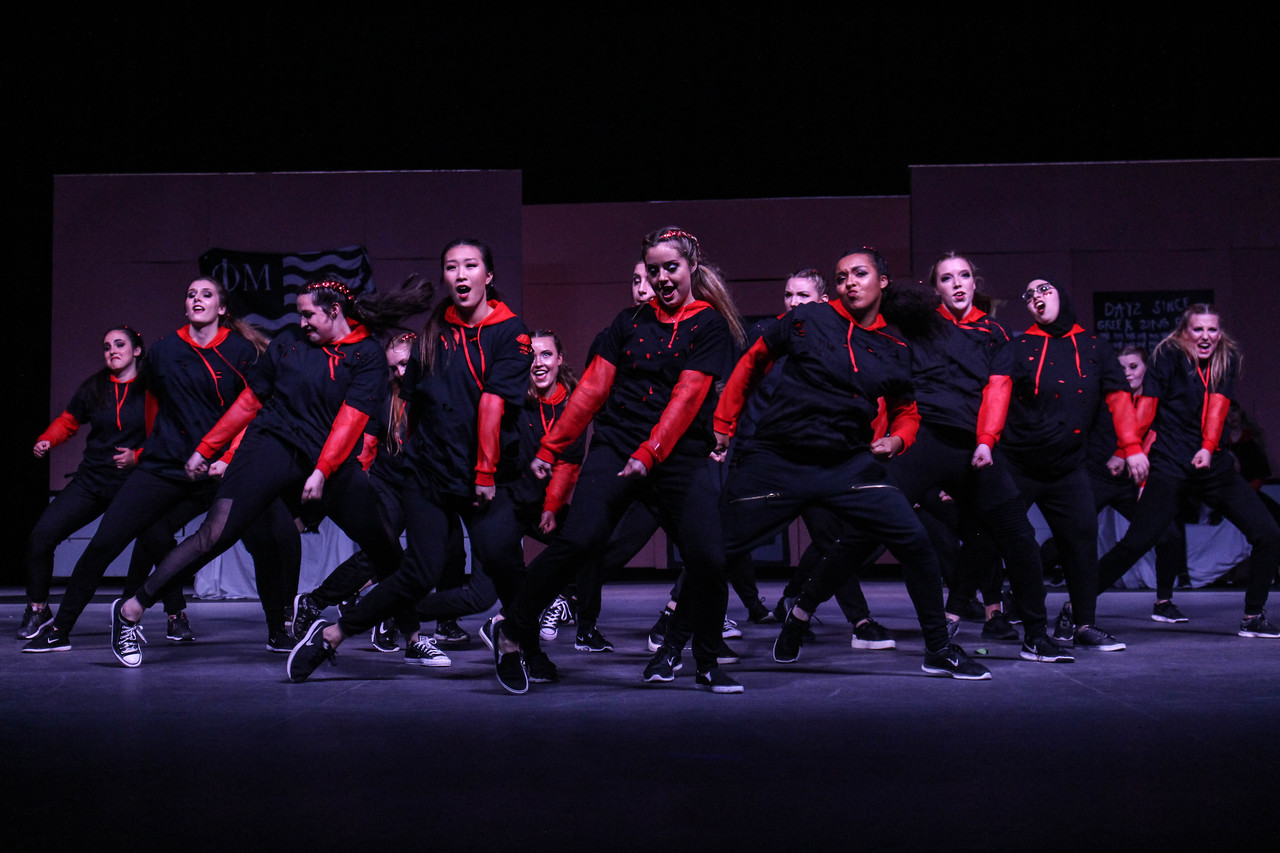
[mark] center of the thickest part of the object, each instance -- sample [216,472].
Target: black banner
[1142,317]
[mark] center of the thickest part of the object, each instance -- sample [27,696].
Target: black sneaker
[726,655]
[383,636]
[716,681]
[783,607]
[179,629]
[126,637]
[540,668]
[871,635]
[450,635]
[487,629]
[952,661]
[346,605]
[50,639]
[758,614]
[662,667]
[423,652]
[658,632]
[509,666]
[1092,637]
[1045,650]
[953,627]
[731,630]
[34,621]
[1258,627]
[279,640]
[1064,630]
[309,653]
[998,627]
[786,649]
[1167,611]
[305,612]
[969,608]
[1010,607]
[591,640]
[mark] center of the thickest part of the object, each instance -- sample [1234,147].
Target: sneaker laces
[131,638]
[426,647]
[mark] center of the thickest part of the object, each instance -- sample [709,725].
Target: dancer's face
[1042,301]
[320,326]
[204,305]
[466,277]
[858,284]
[1203,334]
[1135,369]
[798,291]
[669,275]
[118,351]
[956,285]
[641,290]
[546,364]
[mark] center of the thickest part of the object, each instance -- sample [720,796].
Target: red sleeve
[995,408]
[880,423]
[368,452]
[686,398]
[746,375]
[489,444]
[904,420]
[587,399]
[233,421]
[1128,439]
[1145,410]
[347,428]
[230,452]
[1211,423]
[63,427]
[564,476]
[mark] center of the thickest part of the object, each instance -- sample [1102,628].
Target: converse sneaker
[951,661]
[126,636]
[731,629]
[1045,650]
[870,634]
[715,681]
[1167,611]
[556,614]
[33,621]
[423,652]
[179,629]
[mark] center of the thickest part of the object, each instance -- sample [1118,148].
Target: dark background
[665,104]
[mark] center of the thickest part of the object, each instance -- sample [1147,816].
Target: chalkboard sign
[1142,317]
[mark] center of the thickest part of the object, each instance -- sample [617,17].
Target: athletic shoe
[50,639]
[731,629]
[786,649]
[870,634]
[759,614]
[662,667]
[1258,627]
[1064,630]
[556,614]
[716,681]
[591,640]
[658,632]
[449,634]
[1091,637]
[279,640]
[423,652]
[952,661]
[179,629]
[1045,650]
[953,628]
[509,666]
[783,607]
[126,636]
[383,637]
[348,604]
[1010,607]
[540,668]
[969,608]
[726,655]
[34,621]
[487,629]
[1167,611]
[311,651]
[998,627]
[305,613]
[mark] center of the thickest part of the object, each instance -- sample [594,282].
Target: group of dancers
[856,409]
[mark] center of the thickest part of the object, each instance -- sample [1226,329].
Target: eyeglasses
[1028,295]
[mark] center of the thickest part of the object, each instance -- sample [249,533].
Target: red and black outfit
[462,415]
[116,414]
[305,409]
[189,386]
[811,448]
[1047,388]
[1190,413]
[649,394]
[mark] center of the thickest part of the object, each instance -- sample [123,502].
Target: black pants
[681,496]
[765,493]
[1223,489]
[1121,494]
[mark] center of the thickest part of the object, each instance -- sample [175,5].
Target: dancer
[193,376]
[469,376]
[112,403]
[1192,376]
[305,408]
[1051,381]
[814,446]
[649,391]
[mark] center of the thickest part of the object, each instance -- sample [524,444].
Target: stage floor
[1173,743]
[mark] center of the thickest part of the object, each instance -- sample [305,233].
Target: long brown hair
[243,328]
[565,376]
